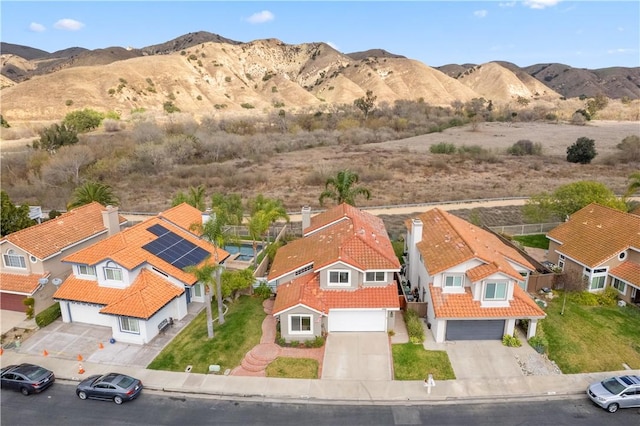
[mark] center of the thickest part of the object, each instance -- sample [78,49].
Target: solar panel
[157,230]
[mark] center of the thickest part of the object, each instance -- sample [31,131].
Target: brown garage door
[12,302]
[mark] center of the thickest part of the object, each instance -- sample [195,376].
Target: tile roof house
[340,276]
[135,281]
[472,282]
[31,257]
[602,245]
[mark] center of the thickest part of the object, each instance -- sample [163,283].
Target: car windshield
[35,373]
[125,382]
[613,385]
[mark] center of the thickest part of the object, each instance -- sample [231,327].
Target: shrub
[170,108]
[525,147]
[582,151]
[83,120]
[263,291]
[630,147]
[414,326]
[68,102]
[608,297]
[318,342]
[227,79]
[511,341]
[442,148]
[584,298]
[247,105]
[48,316]
[540,344]
[54,137]
[3,123]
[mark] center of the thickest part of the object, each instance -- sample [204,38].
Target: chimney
[110,220]
[206,215]
[416,231]
[306,217]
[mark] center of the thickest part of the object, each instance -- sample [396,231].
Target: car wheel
[117,399]
[612,408]
[82,395]
[24,391]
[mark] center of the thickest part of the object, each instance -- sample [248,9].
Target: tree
[630,147]
[205,274]
[366,103]
[568,199]
[90,191]
[596,104]
[232,281]
[195,197]
[66,166]
[54,137]
[264,212]
[231,204]
[582,151]
[341,188]
[14,218]
[83,120]
[634,184]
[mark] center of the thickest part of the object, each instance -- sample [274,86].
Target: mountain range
[203,71]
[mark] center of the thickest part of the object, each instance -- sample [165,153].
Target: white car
[616,392]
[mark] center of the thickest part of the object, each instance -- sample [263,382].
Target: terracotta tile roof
[448,241]
[50,237]
[343,233]
[142,299]
[183,215]
[306,291]
[125,248]
[627,271]
[462,305]
[594,234]
[24,284]
[482,271]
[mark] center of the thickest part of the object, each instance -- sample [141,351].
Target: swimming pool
[245,250]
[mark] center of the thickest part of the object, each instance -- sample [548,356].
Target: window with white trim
[495,291]
[339,278]
[197,290]
[453,281]
[561,262]
[87,270]
[112,273]
[14,260]
[130,325]
[619,285]
[596,278]
[303,270]
[300,324]
[378,276]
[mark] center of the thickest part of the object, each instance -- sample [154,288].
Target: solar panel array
[174,249]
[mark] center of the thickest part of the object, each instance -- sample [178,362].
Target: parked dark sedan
[26,378]
[114,387]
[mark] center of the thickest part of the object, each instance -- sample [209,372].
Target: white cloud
[540,4]
[332,44]
[507,4]
[620,51]
[261,17]
[480,13]
[68,25]
[36,28]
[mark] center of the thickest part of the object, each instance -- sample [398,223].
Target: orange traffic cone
[100,345]
[45,353]
[80,368]
[79,357]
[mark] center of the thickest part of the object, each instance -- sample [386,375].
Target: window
[375,276]
[619,285]
[87,270]
[452,281]
[13,260]
[495,291]
[561,262]
[597,283]
[303,270]
[129,325]
[622,255]
[113,274]
[300,324]
[338,277]
[197,290]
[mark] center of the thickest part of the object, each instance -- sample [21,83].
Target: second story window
[14,260]
[112,273]
[338,278]
[87,270]
[453,281]
[375,276]
[495,291]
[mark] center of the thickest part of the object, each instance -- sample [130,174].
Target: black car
[26,378]
[114,387]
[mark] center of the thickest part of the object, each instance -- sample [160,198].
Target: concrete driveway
[357,356]
[482,359]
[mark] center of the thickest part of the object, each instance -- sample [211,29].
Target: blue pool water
[245,250]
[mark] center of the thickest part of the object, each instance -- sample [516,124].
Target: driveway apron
[482,359]
[357,356]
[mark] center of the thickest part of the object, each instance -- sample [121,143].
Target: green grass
[592,338]
[413,362]
[535,241]
[293,368]
[232,340]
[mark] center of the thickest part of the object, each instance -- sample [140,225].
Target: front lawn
[293,368]
[592,338]
[413,362]
[232,340]
[536,241]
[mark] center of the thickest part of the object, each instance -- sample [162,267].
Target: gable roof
[595,233]
[142,299]
[182,215]
[22,284]
[627,271]
[462,305]
[448,241]
[52,236]
[126,247]
[344,234]
[306,291]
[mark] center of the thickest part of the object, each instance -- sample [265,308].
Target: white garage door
[357,320]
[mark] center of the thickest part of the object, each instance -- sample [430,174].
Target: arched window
[14,260]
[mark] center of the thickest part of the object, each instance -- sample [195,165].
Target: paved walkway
[257,360]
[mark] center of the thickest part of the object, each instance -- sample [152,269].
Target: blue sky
[583,34]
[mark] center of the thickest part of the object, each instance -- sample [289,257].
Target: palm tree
[93,191]
[634,186]
[258,224]
[195,197]
[341,188]
[205,275]
[272,210]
